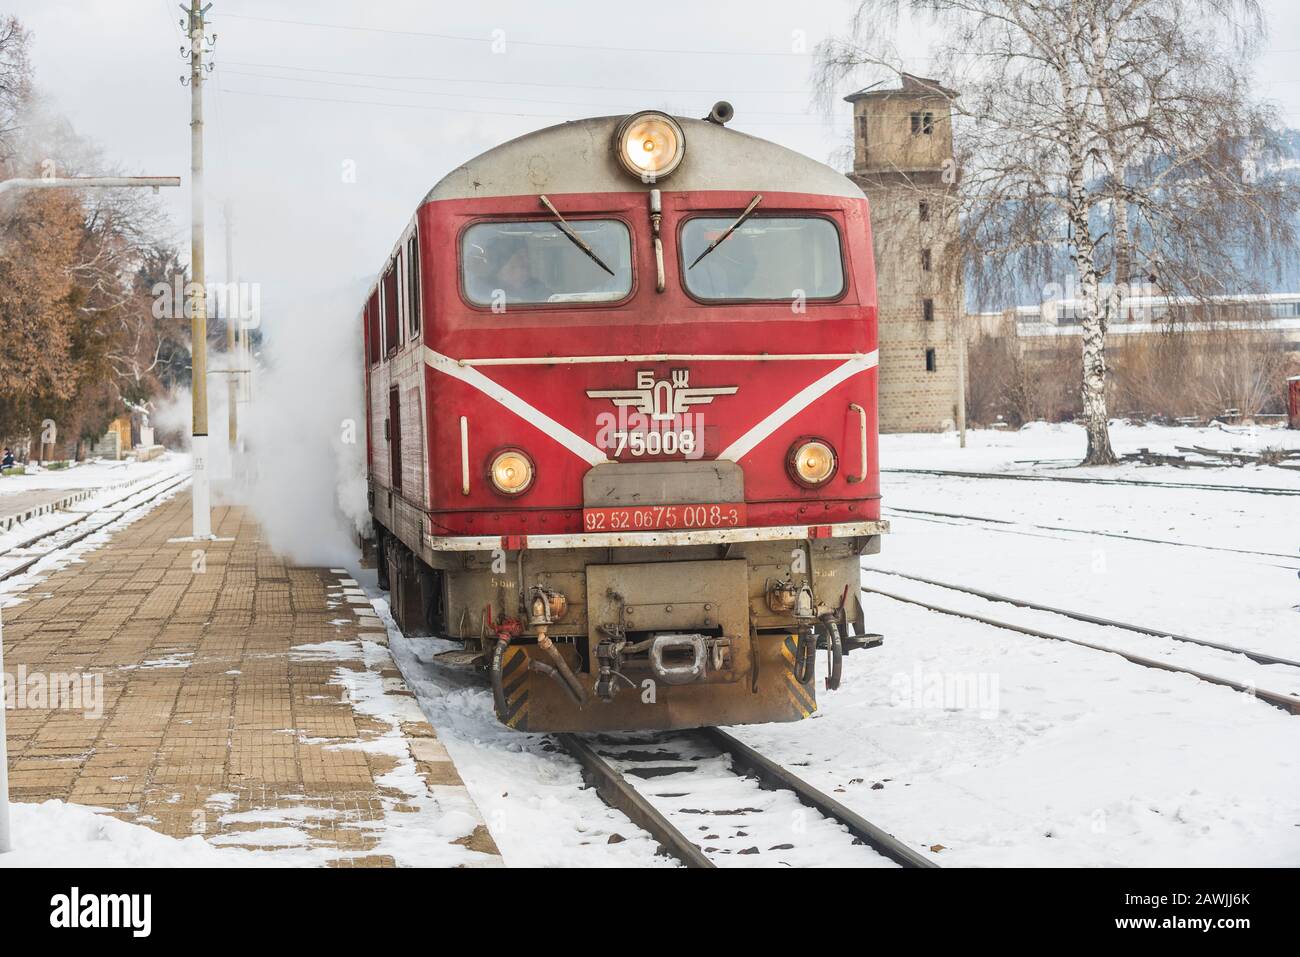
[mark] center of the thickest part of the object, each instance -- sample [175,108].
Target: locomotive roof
[578,157]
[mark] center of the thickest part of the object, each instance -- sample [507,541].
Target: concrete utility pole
[232,383]
[202,498]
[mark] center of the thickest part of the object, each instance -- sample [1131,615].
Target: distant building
[903,161]
[1137,315]
[1176,357]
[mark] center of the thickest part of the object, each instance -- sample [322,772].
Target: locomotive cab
[621,397]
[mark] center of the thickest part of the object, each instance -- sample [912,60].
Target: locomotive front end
[644,404]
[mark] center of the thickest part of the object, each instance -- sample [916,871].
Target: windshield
[767,257]
[535,262]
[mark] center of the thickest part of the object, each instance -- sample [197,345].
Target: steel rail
[1259,656]
[1286,702]
[1252,489]
[776,777]
[29,562]
[615,791]
[1084,531]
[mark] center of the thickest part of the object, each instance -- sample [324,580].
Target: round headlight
[811,462]
[650,145]
[511,472]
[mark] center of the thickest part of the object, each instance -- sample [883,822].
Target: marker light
[650,145]
[811,462]
[511,472]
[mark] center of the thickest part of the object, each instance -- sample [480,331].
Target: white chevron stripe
[493,390]
[796,404]
[594,456]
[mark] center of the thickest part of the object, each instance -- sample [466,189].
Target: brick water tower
[903,161]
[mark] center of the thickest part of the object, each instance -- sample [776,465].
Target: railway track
[1006,525]
[1084,480]
[1286,702]
[708,799]
[107,512]
[1259,656]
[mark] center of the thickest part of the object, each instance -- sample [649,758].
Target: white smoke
[303,434]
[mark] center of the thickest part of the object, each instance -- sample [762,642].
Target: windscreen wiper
[753,204]
[573,237]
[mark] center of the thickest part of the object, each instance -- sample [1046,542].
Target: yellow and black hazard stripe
[514,682]
[802,697]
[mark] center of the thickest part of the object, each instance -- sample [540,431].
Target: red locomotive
[621,406]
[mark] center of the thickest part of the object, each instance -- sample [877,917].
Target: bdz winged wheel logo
[662,399]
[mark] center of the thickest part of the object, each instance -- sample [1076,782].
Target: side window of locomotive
[413,284]
[532,263]
[372,321]
[392,327]
[766,258]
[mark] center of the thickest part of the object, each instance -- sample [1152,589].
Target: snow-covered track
[1259,656]
[1286,702]
[691,776]
[1007,525]
[1084,480]
[616,791]
[107,512]
[29,542]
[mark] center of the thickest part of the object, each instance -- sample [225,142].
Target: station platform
[19,507]
[240,698]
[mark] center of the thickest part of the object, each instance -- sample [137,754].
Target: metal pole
[199,315]
[75,182]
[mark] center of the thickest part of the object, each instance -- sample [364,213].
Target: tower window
[925,259]
[927,310]
[931,363]
[922,123]
[925,211]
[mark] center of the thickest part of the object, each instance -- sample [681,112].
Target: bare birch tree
[1120,131]
[15,81]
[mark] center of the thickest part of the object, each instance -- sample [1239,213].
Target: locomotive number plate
[649,518]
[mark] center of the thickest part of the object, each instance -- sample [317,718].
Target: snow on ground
[419,838]
[1062,446]
[56,834]
[1044,754]
[1005,749]
[98,473]
[115,480]
[1216,593]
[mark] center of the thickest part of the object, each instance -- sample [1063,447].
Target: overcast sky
[281,127]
